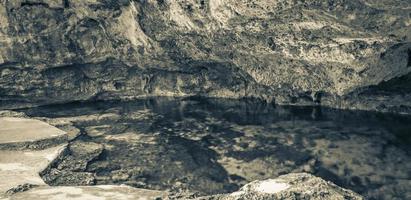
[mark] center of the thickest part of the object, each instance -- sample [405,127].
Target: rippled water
[214,146]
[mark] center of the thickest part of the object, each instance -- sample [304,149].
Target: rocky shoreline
[22,185]
[146,144]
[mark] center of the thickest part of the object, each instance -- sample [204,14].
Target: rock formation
[287,51]
[290,186]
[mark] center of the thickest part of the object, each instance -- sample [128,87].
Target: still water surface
[214,146]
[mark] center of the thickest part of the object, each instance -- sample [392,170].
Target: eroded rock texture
[290,51]
[290,186]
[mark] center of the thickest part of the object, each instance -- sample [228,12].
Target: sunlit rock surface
[20,133]
[103,192]
[19,170]
[27,147]
[290,51]
[290,186]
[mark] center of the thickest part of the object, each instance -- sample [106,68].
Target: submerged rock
[81,153]
[290,186]
[60,177]
[69,169]
[296,52]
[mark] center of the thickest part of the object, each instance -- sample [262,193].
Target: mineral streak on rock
[289,50]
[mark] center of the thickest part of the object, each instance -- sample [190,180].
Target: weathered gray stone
[9,113]
[72,131]
[296,52]
[69,178]
[71,166]
[80,153]
[290,186]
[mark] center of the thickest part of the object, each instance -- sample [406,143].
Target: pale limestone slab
[103,192]
[23,167]
[21,130]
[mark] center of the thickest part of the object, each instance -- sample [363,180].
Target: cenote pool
[210,146]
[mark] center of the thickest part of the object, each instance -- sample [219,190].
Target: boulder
[290,186]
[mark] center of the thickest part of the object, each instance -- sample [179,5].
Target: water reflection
[213,146]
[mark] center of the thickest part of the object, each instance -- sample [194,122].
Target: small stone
[119,175]
[96,131]
[308,168]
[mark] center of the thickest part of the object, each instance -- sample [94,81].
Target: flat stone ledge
[28,147]
[102,192]
[22,133]
[19,168]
